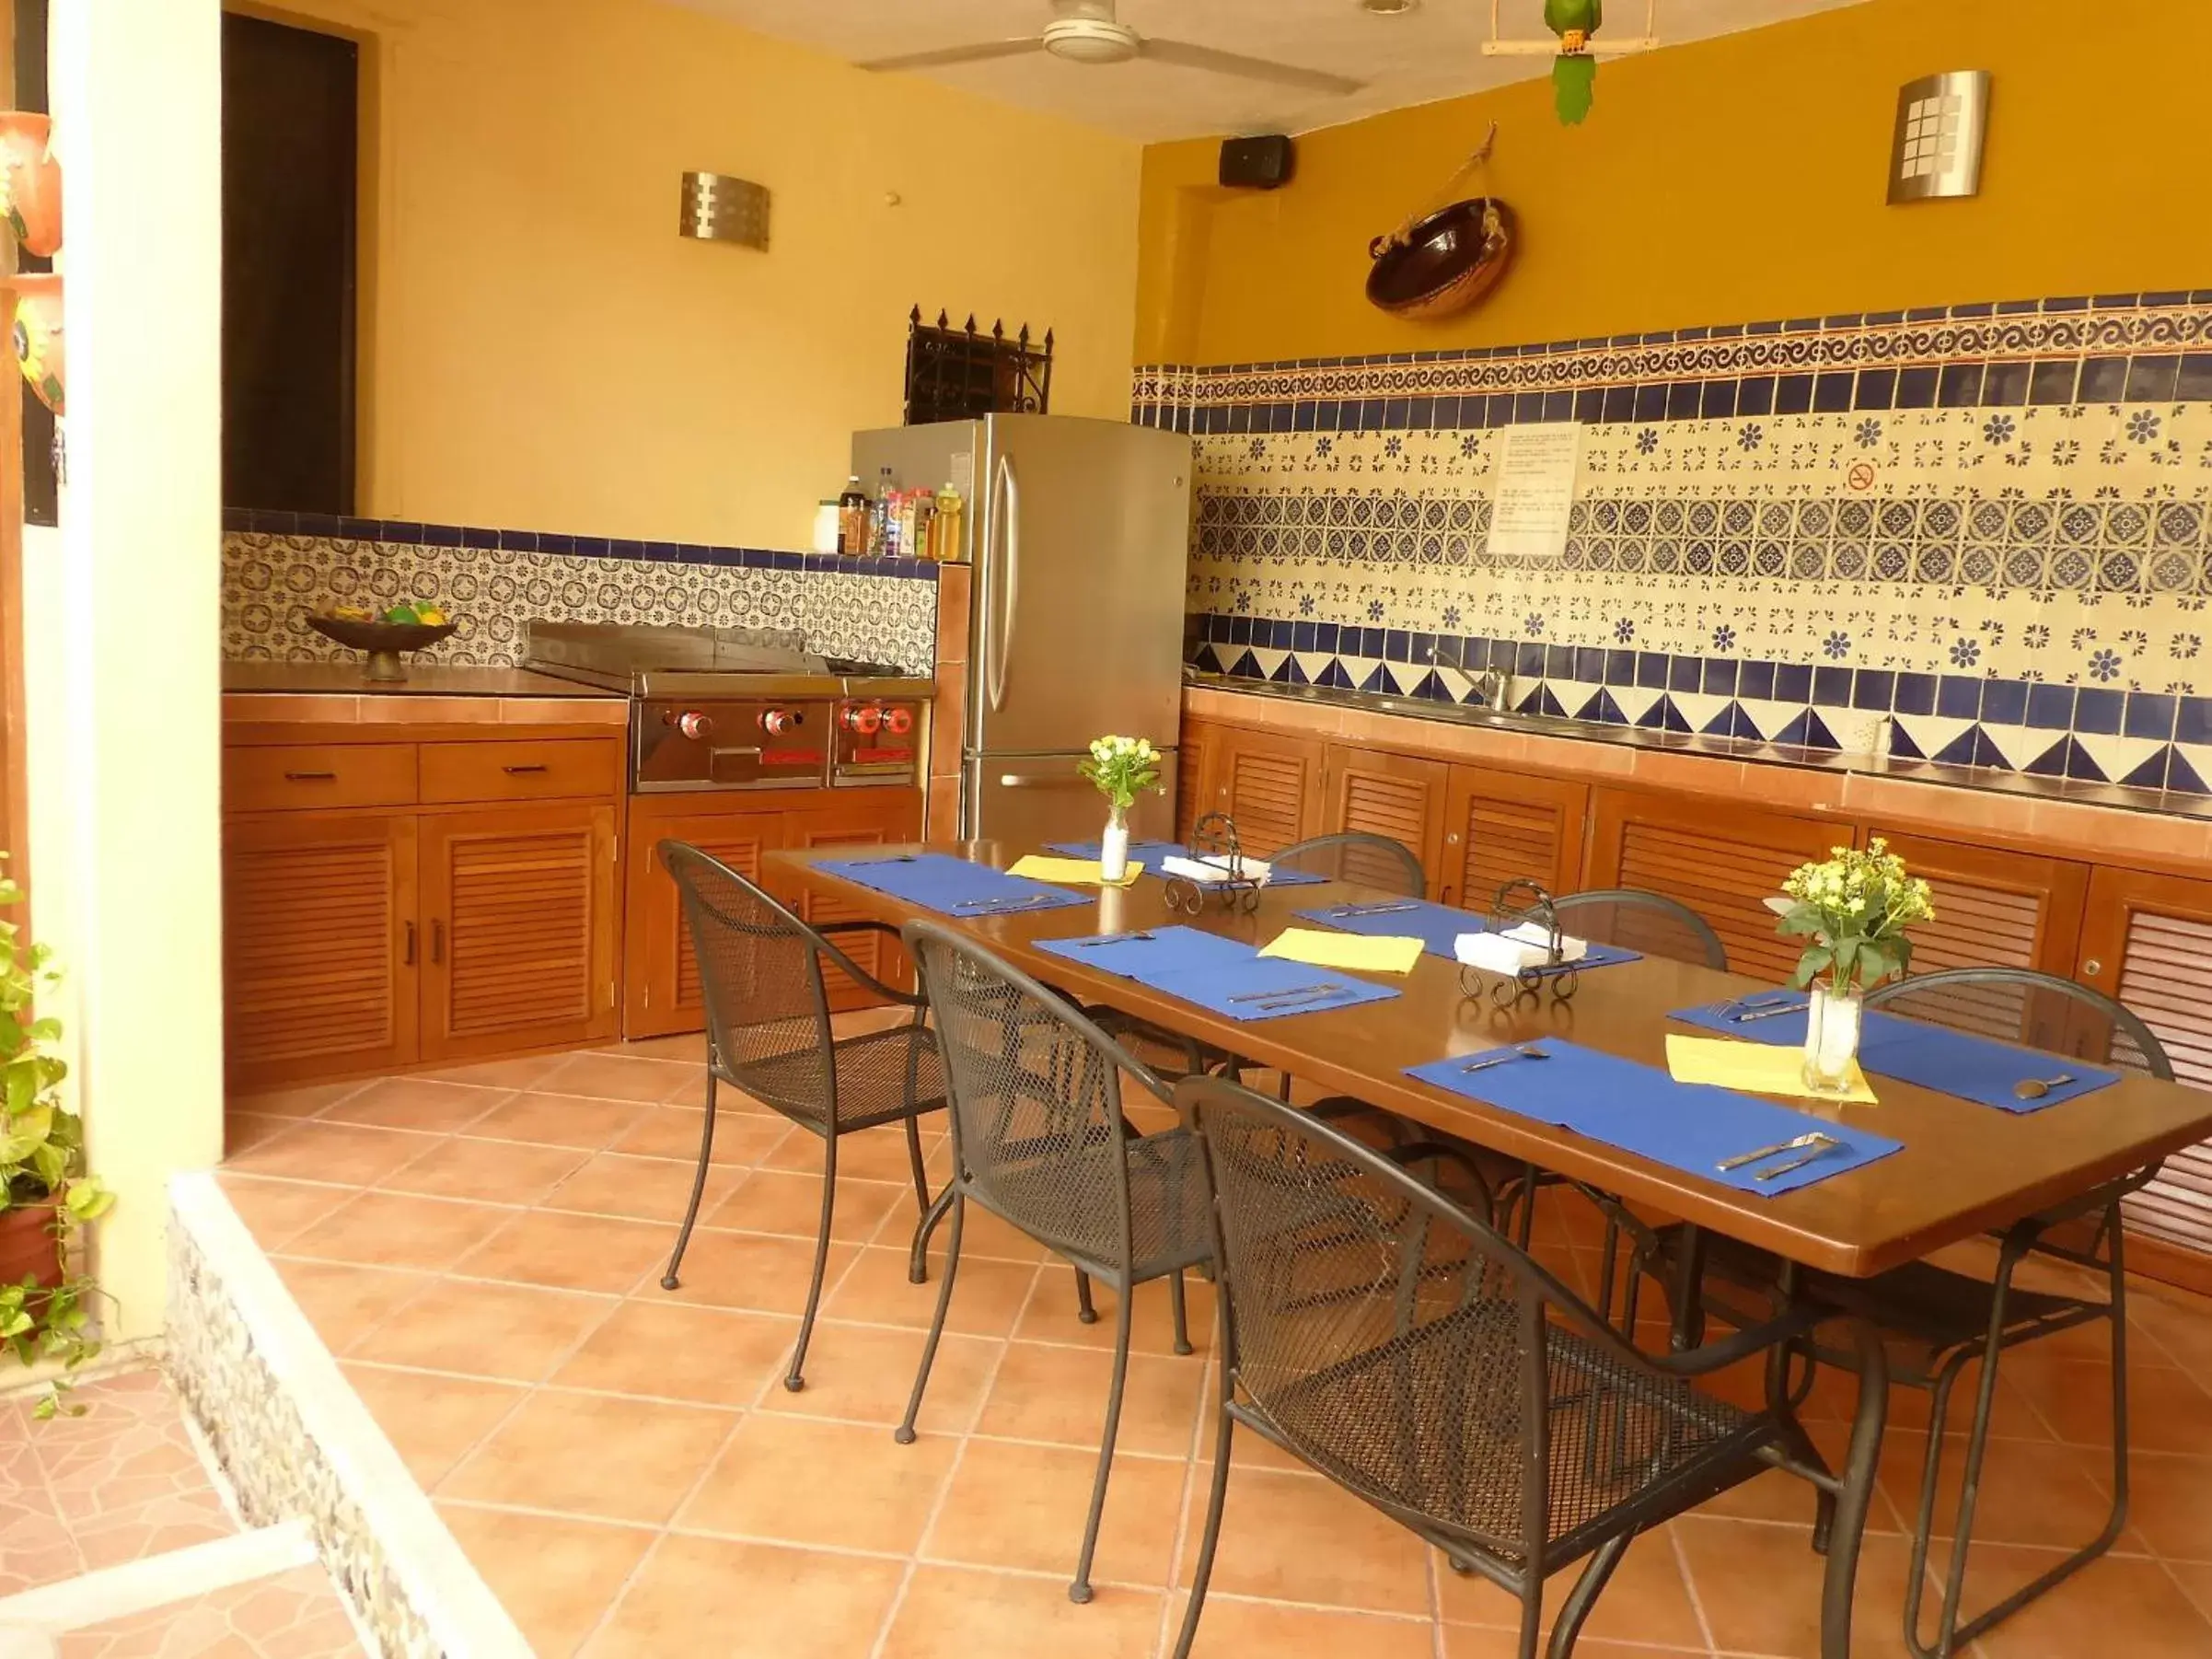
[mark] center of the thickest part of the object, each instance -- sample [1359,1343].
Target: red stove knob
[898,722]
[776,721]
[694,724]
[862,718]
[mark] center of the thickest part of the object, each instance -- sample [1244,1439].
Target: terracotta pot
[1440,265]
[28,1245]
[38,336]
[30,181]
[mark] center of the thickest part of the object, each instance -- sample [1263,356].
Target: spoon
[2035,1089]
[1526,1051]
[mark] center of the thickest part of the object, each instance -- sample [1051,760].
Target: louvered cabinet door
[1193,775]
[520,913]
[318,946]
[859,818]
[1499,825]
[1721,859]
[1377,793]
[1270,785]
[660,976]
[2147,940]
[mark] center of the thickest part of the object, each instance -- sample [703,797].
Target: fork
[1814,1139]
[1346,912]
[993,907]
[1291,994]
[1139,937]
[1526,1051]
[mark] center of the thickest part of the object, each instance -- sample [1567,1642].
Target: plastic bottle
[879,514]
[852,519]
[946,527]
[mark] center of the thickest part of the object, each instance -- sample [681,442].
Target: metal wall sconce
[1937,149]
[718,207]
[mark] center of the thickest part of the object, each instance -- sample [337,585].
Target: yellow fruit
[350,613]
[435,615]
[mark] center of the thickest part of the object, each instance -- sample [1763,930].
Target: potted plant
[45,1193]
[1853,909]
[1121,767]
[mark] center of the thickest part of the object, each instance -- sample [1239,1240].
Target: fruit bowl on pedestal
[382,641]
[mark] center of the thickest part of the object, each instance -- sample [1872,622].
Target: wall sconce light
[720,208]
[1937,150]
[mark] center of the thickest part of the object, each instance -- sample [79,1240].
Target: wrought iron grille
[955,374]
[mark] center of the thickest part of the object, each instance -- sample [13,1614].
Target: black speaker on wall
[1261,163]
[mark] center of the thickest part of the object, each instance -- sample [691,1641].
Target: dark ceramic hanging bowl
[1441,266]
[382,641]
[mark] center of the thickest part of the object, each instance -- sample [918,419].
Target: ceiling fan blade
[1257,69]
[957,55]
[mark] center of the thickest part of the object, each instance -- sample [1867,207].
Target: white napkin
[1526,945]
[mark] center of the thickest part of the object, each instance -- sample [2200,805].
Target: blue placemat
[1437,926]
[1974,1068]
[1150,853]
[1687,1126]
[952,887]
[1221,975]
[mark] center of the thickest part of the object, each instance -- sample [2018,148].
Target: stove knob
[898,722]
[776,721]
[862,718]
[694,724]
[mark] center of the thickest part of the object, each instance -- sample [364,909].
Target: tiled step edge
[297,1443]
[158,1580]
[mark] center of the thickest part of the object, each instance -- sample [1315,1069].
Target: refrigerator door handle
[1010,580]
[1028,780]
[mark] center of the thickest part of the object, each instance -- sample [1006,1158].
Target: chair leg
[699,1186]
[1084,1311]
[1583,1596]
[1182,1313]
[1080,1591]
[795,1378]
[904,1433]
[1216,1495]
[921,1178]
[917,1254]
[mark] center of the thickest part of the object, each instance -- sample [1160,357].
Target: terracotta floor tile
[988,1296]
[752,1271]
[506,1172]
[399,1230]
[521,1072]
[985,1237]
[749,1601]
[568,1252]
[2168,1409]
[423,1103]
[302,1100]
[690,1046]
[431,1422]
[1060,1394]
[2031,1491]
[873,1155]
[344,1303]
[2170,1503]
[506,1333]
[783,1201]
[863,1374]
[1297,1538]
[276,1211]
[556,1578]
[242,1131]
[1647,1600]
[655,1345]
[1023,1507]
[2176,1322]
[2117,1605]
[624,1077]
[1052,1315]
[641,1189]
[296,1615]
[1760,1588]
[598,1455]
[1777,1495]
[961,1613]
[1470,1641]
[800,1481]
[2195,1580]
[1229,1626]
[545,1119]
[35,1545]
[342,1154]
[672,1132]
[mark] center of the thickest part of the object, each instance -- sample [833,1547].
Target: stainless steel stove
[724,708]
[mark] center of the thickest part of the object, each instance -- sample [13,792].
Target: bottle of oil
[852,519]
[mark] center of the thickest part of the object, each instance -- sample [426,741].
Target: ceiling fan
[1086,31]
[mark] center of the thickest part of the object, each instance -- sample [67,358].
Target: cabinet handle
[2091,968]
[407,959]
[310,777]
[437,941]
[513,771]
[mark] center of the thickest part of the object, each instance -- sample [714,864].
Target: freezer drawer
[1023,801]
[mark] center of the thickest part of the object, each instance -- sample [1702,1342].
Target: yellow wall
[543,351]
[1733,179]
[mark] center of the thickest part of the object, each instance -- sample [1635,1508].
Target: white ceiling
[1433,51]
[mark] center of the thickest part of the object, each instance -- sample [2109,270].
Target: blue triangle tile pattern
[2182,776]
[1902,747]
[2151,774]
[1380,680]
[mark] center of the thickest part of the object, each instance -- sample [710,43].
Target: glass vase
[1832,1026]
[1113,846]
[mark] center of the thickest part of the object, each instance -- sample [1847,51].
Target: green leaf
[1811,964]
[88,1198]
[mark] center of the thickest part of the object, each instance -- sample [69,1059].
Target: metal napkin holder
[1214,838]
[1521,902]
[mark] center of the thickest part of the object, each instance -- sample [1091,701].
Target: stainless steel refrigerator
[1078,531]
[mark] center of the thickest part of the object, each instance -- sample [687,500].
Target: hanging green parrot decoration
[1574,71]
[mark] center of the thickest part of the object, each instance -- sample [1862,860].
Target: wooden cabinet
[321,942]
[873,820]
[1269,783]
[1721,859]
[1995,907]
[1194,774]
[519,910]
[1376,792]
[1500,825]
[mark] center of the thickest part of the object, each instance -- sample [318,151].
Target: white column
[124,702]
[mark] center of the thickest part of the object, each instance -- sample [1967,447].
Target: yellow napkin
[1755,1068]
[1079,872]
[1345,950]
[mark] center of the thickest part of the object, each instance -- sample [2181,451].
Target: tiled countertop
[335,694]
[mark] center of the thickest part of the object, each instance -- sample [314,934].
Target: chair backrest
[1650,923]
[1035,1089]
[2039,1010]
[760,978]
[1399,1345]
[1355,855]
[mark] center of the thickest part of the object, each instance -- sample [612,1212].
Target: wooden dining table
[1964,1167]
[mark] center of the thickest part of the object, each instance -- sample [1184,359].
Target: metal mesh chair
[1650,923]
[769,1034]
[1416,1358]
[1936,1322]
[1354,855]
[1039,1140]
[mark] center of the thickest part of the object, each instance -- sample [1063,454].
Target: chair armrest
[1786,1326]
[860,976]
